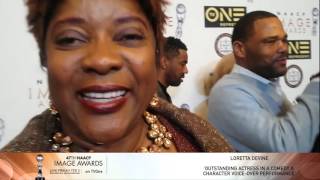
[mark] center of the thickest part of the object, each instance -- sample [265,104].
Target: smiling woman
[101,57]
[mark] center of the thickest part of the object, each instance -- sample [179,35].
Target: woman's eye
[70,40]
[129,37]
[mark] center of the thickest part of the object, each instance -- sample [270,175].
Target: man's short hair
[244,27]
[171,47]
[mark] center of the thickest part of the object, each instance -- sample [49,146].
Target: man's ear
[163,62]
[239,49]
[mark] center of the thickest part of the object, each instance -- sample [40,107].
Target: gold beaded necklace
[157,133]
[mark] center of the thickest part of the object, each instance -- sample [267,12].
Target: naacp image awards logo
[181,11]
[223,16]
[294,76]
[315,21]
[297,22]
[39,159]
[223,44]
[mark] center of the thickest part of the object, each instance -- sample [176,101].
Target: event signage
[294,76]
[39,159]
[181,11]
[299,49]
[98,166]
[223,16]
[223,44]
[315,21]
[296,22]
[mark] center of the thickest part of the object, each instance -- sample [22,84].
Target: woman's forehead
[100,10]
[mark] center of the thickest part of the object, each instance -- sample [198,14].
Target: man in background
[248,105]
[173,66]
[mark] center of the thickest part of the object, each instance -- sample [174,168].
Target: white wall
[23,83]
[20,72]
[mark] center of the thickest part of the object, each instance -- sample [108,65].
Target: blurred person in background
[248,105]
[173,66]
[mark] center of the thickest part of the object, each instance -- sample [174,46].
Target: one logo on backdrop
[2,127]
[294,76]
[223,44]
[181,11]
[185,106]
[298,22]
[39,93]
[299,49]
[223,16]
[315,21]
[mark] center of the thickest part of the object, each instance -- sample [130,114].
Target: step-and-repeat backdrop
[204,25]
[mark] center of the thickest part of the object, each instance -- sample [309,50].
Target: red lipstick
[103,99]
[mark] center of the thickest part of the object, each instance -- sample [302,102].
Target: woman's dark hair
[41,12]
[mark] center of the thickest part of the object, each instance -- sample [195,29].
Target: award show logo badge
[315,21]
[299,49]
[294,76]
[39,159]
[181,16]
[223,45]
[222,16]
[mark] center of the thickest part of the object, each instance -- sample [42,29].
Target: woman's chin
[104,136]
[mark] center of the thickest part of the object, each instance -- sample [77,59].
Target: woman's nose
[102,58]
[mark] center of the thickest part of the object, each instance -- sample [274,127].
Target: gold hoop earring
[52,108]
[154,101]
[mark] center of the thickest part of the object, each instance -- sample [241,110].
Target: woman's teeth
[104,96]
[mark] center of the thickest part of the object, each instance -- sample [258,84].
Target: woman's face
[101,67]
